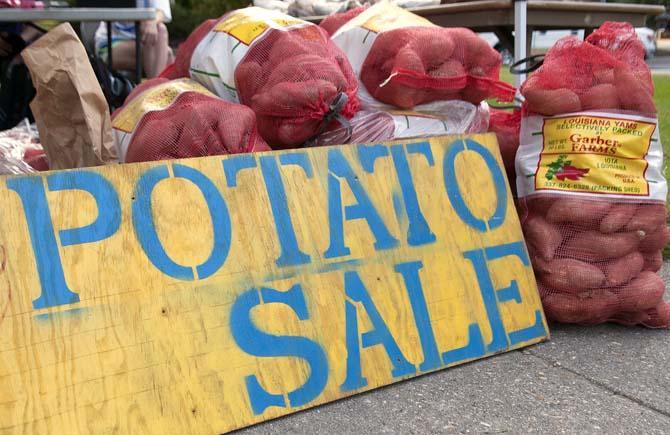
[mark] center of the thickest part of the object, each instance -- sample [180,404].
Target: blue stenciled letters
[338,167]
[454,192]
[355,290]
[492,296]
[410,274]
[258,343]
[145,228]
[49,267]
[418,231]
[290,252]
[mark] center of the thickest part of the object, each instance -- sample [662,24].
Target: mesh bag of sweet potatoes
[589,177]
[287,70]
[171,119]
[404,60]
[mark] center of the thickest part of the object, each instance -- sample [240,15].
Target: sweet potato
[643,293]
[604,76]
[600,97]
[595,308]
[624,269]
[286,97]
[474,51]
[543,237]
[302,71]
[632,92]
[648,218]
[540,204]
[564,308]
[300,132]
[450,68]
[596,246]
[656,240]
[247,77]
[653,261]
[539,265]
[631,319]
[434,48]
[408,59]
[571,276]
[552,101]
[578,212]
[659,316]
[618,216]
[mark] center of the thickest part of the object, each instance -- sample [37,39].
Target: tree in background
[188,14]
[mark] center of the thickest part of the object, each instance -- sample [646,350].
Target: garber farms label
[594,153]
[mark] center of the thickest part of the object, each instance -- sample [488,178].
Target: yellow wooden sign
[204,295]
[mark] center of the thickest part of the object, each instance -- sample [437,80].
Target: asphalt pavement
[603,379]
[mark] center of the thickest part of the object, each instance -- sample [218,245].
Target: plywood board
[204,295]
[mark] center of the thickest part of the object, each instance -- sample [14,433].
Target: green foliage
[188,14]
[662,97]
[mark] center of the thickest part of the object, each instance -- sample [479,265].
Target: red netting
[506,126]
[333,22]
[415,65]
[194,125]
[596,260]
[606,72]
[291,79]
[182,63]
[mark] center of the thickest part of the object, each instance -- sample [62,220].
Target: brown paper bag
[70,110]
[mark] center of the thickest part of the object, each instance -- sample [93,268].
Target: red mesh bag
[333,22]
[287,70]
[506,126]
[182,65]
[605,72]
[177,119]
[404,60]
[590,180]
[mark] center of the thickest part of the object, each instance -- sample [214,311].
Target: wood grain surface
[205,295]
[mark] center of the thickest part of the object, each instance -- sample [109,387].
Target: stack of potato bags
[288,71]
[403,61]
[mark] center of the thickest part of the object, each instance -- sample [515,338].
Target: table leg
[520,36]
[138,52]
[529,41]
[109,45]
